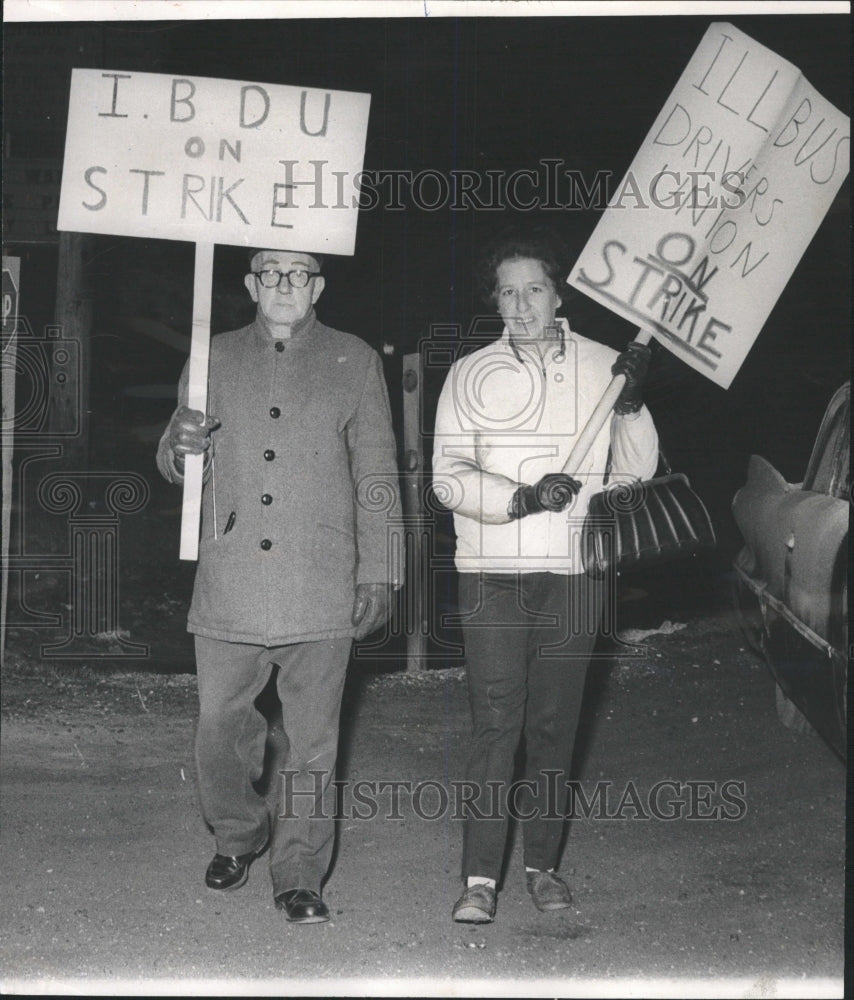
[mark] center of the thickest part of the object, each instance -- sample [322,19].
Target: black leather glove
[190,433]
[553,492]
[634,364]
[371,607]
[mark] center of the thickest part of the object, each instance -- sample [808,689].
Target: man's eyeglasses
[296,279]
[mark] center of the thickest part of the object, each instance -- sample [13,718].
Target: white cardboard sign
[719,204]
[214,161]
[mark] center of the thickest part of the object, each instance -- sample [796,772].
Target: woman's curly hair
[537,242]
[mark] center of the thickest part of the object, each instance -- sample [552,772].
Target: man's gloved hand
[634,364]
[190,433]
[553,492]
[371,607]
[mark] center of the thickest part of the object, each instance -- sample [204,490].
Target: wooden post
[599,416]
[68,406]
[12,278]
[191,510]
[415,621]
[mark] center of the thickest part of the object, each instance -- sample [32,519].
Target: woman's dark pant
[528,638]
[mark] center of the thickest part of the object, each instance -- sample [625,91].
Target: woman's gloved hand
[634,364]
[553,492]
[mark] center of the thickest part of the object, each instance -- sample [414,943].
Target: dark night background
[470,93]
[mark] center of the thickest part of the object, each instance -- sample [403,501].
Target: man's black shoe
[225,872]
[302,906]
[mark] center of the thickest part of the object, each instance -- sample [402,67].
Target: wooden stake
[599,416]
[191,510]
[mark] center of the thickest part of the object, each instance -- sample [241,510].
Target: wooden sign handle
[599,416]
[191,510]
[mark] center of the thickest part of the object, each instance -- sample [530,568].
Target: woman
[507,419]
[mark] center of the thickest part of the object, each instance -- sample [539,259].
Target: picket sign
[716,210]
[211,161]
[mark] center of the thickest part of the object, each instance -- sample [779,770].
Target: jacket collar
[507,343]
[300,332]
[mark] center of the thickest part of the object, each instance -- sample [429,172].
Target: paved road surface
[104,850]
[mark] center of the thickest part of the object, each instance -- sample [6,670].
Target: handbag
[635,525]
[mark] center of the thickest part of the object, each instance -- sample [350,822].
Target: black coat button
[266,499]
[279,346]
[266,544]
[269,454]
[275,412]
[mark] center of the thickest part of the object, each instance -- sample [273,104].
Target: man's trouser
[230,743]
[528,639]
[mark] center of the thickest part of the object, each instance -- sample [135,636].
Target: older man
[293,565]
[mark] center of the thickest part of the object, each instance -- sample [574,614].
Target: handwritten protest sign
[211,161]
[216,161]
[719,204]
